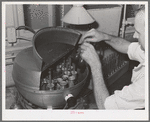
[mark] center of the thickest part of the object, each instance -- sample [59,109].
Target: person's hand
[89,54]
[93,35]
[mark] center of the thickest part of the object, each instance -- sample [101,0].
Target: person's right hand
[89,54]
[93,35]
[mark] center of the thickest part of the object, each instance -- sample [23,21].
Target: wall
[36,16]
[108,19]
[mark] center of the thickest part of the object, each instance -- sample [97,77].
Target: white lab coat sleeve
[135,52]
[130,97]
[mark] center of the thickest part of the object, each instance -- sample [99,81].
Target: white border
[78,2]
[66,115]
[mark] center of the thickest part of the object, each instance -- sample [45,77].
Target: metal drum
[31,65]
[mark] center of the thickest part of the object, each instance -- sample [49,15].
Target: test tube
[74,67]
[63,84]
[65,77]
[71,81]
[58,68]
[44,84]
[55,84]
[70,62]
[50,77]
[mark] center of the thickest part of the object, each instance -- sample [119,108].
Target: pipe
[10,57]
[9,63]
[62,14]
[124,21]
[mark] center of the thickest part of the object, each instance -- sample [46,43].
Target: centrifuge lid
[53,43]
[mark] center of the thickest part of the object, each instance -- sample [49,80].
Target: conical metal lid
[78,16]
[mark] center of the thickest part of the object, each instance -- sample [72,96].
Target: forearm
[100,90]
[120,44]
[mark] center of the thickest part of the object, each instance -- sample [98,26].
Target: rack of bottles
[63,75]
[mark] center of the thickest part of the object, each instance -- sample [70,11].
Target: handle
[25,28]
[71,100]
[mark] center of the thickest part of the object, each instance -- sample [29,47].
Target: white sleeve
[135,52]
[130,97]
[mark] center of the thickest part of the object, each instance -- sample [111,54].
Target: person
[133,95]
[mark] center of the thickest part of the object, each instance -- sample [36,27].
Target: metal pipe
[62,14]
[10,63]
[124,21]
[10,57]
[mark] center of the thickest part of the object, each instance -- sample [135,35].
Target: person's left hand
[89,54]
